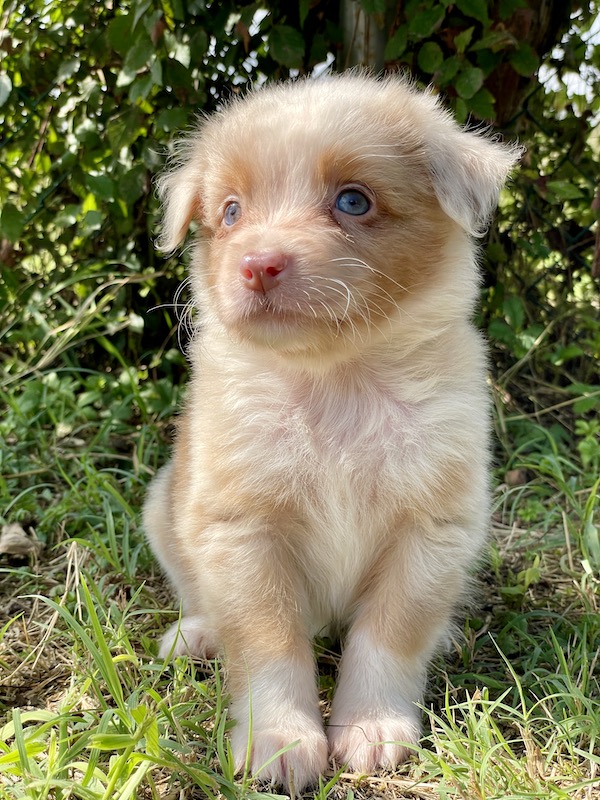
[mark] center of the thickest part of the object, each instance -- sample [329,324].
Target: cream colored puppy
[331,462]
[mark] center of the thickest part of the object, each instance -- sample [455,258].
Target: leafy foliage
[90,97]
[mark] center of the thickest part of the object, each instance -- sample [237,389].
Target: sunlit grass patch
[494,748]
[122,719]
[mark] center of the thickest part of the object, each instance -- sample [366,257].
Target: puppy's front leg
[255,600]
[404,609]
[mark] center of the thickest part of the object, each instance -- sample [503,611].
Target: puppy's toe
[191,636]
[304,758]
[365,745]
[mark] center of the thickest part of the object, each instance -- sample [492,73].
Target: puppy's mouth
[264,304]
[278,320]
[268,310]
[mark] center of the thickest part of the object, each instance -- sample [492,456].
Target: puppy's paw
[191,636]
[304,760]
[368,744]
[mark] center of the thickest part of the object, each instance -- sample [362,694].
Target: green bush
[92,95]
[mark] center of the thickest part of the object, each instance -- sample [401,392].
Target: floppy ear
[468,171]
[179,192]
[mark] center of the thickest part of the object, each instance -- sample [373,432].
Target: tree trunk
[364,36]
[540,24]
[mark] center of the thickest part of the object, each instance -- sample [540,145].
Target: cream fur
[331,462]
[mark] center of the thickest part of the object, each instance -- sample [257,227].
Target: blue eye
[353,202]
[233,212]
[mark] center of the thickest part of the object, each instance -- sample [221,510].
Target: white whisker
[351,261]
[161,306]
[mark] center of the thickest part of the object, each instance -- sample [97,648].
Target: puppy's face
[311,243]
[322,206]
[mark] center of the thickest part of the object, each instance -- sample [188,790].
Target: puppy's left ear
[179,191]
[468,171]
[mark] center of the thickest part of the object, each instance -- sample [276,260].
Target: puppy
[331,463]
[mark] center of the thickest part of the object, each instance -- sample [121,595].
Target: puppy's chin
[265,324]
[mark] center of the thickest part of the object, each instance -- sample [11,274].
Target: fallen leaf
[15,541]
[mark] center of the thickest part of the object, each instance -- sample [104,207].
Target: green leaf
[488,60]
[476,9]
[171,119]
[565,353]
[591,538]
[101,186]
[396,46]
[286,46]
[495,41]
[461,112]
[500,331]
[586,404]
[430,57]
[448,70]
[198,45]
[482,104]
[140,10]
[67,69]
[156,72]
[125,129]
[5,88]
[510,592]
[423,24]
[462,41]
[119,34]
[87,134]
[133,184]
[112,741]
[514,312]
[564,190]
[177,76]
[525,60]
[12,222]
[141,87]
[68,216]
[496,253]
[469,82]
[125,77]
[529,336]
[304,9]
[139,55]
[91,222]
[576,387]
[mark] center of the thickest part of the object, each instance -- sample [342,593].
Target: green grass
[86,711]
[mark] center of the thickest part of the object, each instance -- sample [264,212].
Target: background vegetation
[91,94]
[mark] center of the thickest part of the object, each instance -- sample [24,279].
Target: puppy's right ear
[179,192]
[468,171]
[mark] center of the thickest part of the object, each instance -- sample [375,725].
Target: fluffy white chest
[345,460]
[347,444]
[348,487]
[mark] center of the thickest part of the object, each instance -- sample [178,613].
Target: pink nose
[260,271]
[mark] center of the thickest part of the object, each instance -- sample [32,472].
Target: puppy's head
[326,206]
